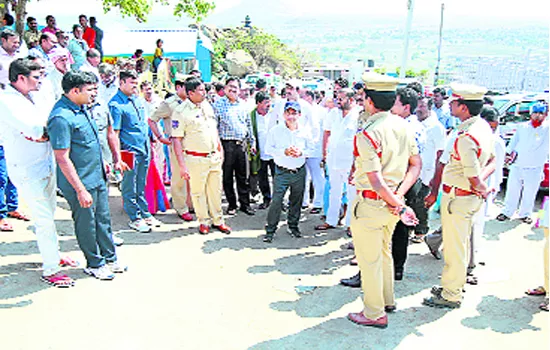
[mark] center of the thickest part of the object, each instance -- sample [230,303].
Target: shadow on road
[340,333]
[535,234]
[494,228]
[502,316]
[24,278]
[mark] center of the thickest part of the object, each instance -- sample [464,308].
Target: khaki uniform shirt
[362,120]
[473,148]
[385,145]
[197,126]
[165,111]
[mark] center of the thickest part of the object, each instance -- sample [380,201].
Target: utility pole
[410,7]
[436,75]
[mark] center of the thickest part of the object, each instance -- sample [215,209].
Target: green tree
[269,52]
[197,10]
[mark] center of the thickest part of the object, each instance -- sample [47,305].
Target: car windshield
[500,103]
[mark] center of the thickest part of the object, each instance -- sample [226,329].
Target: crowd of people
[372,158]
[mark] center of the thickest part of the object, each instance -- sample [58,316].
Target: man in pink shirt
[50,25]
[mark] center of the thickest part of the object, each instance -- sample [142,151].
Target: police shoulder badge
[175,124]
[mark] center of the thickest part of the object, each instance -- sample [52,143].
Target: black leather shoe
[352,282]
[294,232]
[398,275]
[231,211]
[248,211]
[268,238]
[390,308]
[316,210]
[265,204]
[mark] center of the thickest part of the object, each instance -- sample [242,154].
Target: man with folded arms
[198,152]
[289,145]
[386,156]
[464,190]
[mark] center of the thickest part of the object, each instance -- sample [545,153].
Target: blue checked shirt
[233,121]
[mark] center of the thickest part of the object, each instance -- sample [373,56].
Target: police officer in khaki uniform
[463,191]
[198,152]
[386,157]
[178,185]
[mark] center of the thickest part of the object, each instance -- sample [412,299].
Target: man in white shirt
[261,162]
[527,152]
[292,93]
[47,43]
[313,163]
[340,129]
[289,145]
[433,148]
[93,59]
[30,161]
[108,86]
[9,51]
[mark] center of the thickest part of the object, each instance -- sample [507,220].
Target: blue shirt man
[81,176]
[235,129]
[442,110]
[129,122]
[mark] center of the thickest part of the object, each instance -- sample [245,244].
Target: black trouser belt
[292,171]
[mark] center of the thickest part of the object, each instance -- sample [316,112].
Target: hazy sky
[539,9]
[512,11]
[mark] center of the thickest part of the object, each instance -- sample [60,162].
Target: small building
[186,48]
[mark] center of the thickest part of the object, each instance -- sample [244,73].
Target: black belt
[292,171]
[237,142]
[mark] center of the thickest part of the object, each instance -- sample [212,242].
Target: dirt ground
[187,291]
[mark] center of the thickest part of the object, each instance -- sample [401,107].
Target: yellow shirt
[165,111]
[197,126]
[385,145]
[470,153]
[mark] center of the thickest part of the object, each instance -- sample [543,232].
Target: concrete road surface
[187,291]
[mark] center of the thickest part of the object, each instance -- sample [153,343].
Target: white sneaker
[117,267]
[117,241]
[152,221]
[101,273]
[139,225]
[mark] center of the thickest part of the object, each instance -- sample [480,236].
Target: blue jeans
[92,226]
[8,192]
[133,189]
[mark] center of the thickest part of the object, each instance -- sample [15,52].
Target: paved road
[186,291]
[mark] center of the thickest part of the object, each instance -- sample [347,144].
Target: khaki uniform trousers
[206,188]
[457,214]
[178,186]
[546,286]
[372,225]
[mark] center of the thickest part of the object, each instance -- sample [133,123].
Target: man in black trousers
[235,129]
